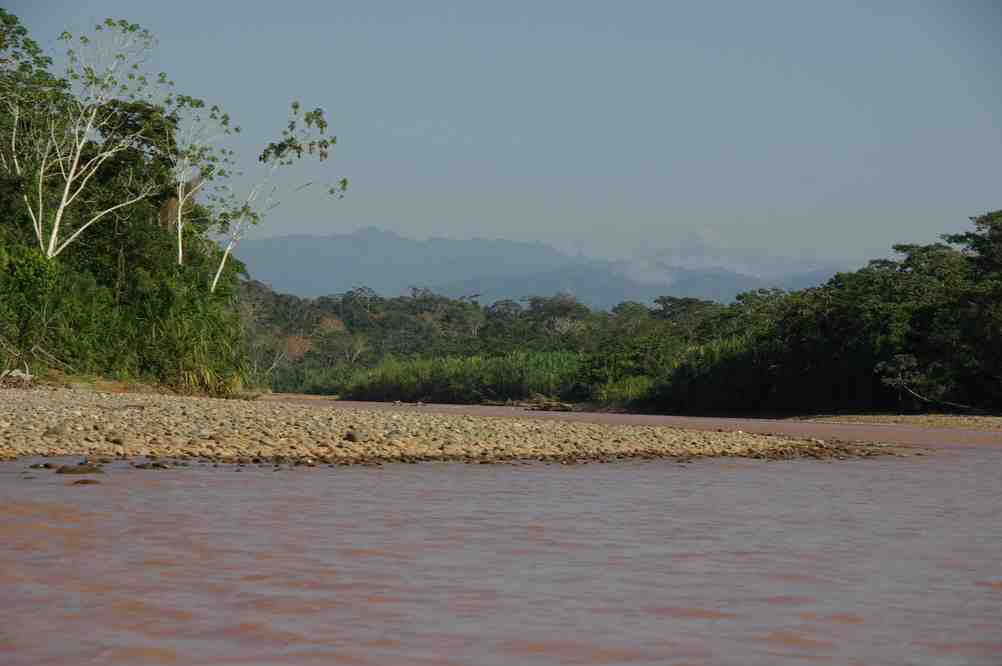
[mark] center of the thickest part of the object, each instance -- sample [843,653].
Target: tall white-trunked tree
[305,135]
[63,132]
[191,145]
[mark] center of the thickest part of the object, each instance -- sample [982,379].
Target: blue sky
[826,130]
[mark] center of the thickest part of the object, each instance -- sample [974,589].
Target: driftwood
[546,405]
[537,403]
[15,379]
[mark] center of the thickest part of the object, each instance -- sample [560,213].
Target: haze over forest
[753,133]
[493,270]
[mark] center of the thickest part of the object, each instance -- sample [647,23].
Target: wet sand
[962,421]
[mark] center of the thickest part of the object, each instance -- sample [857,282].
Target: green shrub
[626,391]
[472,379]
[166,328]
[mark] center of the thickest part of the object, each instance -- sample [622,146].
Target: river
[879,561]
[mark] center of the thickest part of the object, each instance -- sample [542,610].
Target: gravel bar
[53,422]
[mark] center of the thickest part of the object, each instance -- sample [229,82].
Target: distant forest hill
[491,270]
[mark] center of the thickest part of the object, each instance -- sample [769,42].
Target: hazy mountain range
[311,266]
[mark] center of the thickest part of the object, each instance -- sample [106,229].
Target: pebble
[181,429]
[56,431]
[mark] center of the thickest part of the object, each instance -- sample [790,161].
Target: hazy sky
[827,129]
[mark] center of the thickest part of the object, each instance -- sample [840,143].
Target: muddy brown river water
[880,561]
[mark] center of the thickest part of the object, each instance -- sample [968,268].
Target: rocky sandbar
[62,422]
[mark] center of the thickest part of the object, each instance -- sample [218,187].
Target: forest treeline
[920,331]
[119,211]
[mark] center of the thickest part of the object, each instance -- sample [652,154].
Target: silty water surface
[886,561]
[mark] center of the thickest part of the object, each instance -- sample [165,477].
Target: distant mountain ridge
[390,264]
[597,286]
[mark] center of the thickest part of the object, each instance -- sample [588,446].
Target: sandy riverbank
[62,422]
[960,421]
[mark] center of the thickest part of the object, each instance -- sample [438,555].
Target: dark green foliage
[115,303]
[138,322]
[923,330]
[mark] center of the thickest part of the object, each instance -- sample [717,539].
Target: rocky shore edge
[157,431]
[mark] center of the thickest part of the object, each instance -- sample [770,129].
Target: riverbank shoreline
[148,427]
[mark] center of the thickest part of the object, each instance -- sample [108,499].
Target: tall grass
[170,331]
[472,379]
[631,390]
